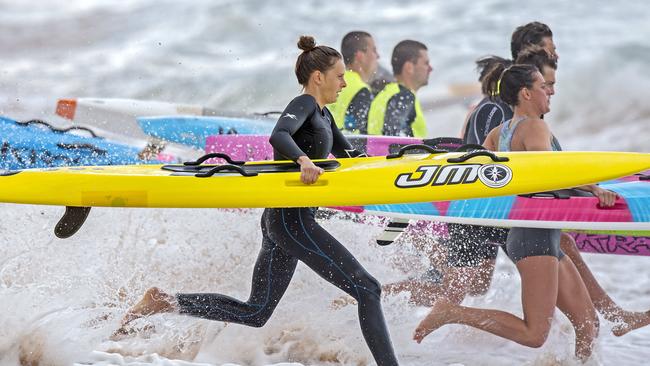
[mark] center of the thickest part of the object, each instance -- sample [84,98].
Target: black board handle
[476,153]
[205,157]
[407,148]
[221,168]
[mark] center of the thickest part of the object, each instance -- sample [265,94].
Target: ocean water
[239,55]
[61,299]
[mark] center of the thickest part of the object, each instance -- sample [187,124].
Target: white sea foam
[61,299]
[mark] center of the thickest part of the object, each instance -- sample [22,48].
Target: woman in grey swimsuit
[548,277]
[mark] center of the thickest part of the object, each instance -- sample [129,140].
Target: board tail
[393,230]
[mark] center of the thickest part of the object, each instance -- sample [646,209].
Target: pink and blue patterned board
[622,229]
[630,213]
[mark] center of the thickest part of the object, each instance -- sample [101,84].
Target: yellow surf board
[357,181]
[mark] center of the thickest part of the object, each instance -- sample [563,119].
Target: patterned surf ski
[561,209]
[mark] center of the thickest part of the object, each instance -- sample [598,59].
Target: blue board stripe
[484,208]
[424,208]
[637,196]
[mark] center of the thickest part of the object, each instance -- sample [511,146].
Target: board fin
[393,230]
[71,221]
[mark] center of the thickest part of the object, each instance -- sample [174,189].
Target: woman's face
[549,77]
[333,82]
[539,94]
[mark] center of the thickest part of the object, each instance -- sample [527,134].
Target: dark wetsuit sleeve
[400,113]
[486,116]
[358,111]
[340,143]
[293,117]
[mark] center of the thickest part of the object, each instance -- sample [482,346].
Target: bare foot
[154,301]
[629,321]
[441,313]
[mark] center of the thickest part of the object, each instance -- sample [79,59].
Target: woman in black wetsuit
[304,131]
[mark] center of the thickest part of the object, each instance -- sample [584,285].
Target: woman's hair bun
[306,43]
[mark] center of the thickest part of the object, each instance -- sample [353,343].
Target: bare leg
[574,301]
[539,277]
[626,320]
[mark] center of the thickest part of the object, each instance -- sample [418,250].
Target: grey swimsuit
[529,242]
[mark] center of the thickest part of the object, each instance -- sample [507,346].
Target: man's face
[368,58]
[421,69]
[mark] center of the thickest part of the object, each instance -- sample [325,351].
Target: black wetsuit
[488,114]
[400,113]
[470,245]
[290,235]
[356,116]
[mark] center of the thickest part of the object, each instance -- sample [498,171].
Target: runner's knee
[368,285]
[259,320]
[536,337]
[536,340]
